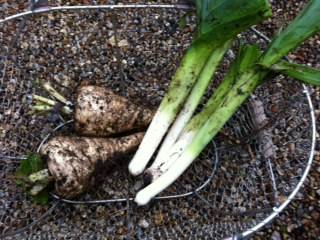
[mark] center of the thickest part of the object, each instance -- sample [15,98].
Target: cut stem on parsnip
[44,100]
[53,92]
[41,176]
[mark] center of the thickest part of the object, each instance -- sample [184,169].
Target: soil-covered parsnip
[99,113]
[74,161]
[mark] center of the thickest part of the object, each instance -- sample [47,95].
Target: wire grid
[135,52]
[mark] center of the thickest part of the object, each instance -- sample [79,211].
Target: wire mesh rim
[94,7]
[276,210]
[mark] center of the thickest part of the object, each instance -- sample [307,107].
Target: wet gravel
[299,221]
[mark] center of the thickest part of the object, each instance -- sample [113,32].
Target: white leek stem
[245,60]
[242,89]
[164,163]
[188,110]
[158,128]
[181,85]
[179,166]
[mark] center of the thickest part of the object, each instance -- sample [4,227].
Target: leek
[219,22]
[246,58]
[190,105]
[304,26]
[302,73]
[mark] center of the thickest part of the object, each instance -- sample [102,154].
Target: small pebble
[143,223]
[276,236]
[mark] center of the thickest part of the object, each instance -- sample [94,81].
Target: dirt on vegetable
[75,161]
[99,113]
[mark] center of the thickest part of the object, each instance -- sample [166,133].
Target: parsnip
[99,113]
[74,161]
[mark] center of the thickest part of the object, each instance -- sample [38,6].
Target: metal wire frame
[94,7]
[276,210]
[33,223]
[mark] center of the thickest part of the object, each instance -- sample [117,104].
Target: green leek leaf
[300,72]
[221,16]
[304,26]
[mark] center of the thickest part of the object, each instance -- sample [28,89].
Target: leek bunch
[219,21]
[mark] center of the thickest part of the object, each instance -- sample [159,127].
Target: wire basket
[240,183]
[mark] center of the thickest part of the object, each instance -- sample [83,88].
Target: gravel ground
[299,220]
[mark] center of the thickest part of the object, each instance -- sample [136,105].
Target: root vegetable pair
[219,23]
[99,117]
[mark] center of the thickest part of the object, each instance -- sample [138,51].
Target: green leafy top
[224,16]
[33,163]
[304,26]
[302,73]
